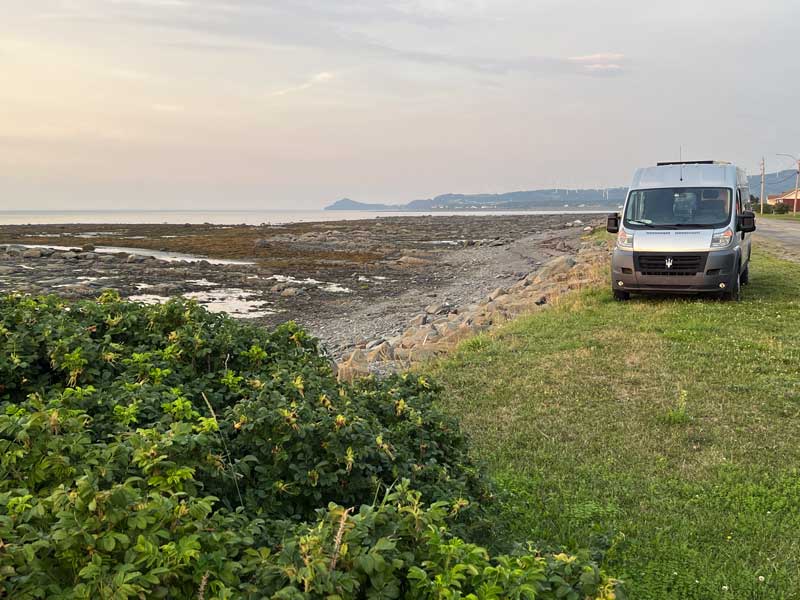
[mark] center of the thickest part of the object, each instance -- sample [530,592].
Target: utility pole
[763,169]
[796,185]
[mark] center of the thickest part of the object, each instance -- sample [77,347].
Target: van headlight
[625,239]
[722,239]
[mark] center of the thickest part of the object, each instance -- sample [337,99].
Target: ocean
[234,217]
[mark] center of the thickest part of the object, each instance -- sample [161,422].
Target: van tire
[621,296]
[745,277]
[734,292]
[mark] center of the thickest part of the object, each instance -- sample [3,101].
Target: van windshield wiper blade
[653,225]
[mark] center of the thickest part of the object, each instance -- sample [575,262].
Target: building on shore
[788,199]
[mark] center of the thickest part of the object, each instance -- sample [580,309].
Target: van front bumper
[644,271]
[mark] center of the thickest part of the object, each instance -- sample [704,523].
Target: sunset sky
[296,103]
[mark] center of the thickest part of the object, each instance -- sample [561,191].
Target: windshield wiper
[653,225]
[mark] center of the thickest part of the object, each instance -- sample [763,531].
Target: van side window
[739,201]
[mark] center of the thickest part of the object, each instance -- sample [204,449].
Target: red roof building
[788,199]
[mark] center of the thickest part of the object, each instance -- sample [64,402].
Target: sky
[262,104]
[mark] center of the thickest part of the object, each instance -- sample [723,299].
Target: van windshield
[678,207]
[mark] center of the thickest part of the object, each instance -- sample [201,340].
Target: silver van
[685,228]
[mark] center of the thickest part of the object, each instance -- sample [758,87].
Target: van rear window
[679,207]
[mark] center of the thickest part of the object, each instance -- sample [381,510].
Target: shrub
[402,549]
[257,416]
[757,207]
[780,209]
[169,452]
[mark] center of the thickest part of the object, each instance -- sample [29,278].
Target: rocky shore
[438,328]
[379,293]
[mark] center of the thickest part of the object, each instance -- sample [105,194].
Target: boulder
[501,291]
[382,352]
[355,366]
[260,244]
[32,253]
[88,248]
[418,320]
[437,309]
[555,266]
[374,344]
[292,292]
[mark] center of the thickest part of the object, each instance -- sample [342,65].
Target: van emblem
[668,263]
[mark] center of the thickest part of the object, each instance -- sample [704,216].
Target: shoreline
[249,217]
[349,283]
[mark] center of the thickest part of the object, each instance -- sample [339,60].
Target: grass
[663,434]
[784,217]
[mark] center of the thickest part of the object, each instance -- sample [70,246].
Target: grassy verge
[784,217]
[662,433]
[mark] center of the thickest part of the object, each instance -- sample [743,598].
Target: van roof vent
[693,162]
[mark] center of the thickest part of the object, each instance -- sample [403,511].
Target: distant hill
[347,204]
[776,183]
[548,199]
[598,199]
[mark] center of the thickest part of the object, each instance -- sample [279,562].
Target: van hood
[667,240]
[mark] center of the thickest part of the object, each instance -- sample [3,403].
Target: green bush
[169,452]
[780,209]
[757,207]
[257,416]
[401,549]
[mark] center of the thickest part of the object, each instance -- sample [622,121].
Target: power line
[794,173]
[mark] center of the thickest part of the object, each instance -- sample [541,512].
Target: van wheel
[734,293]
[745,278]
[621,296]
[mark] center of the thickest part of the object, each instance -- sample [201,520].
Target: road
[784,235]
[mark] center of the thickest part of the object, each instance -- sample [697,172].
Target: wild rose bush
[165,451]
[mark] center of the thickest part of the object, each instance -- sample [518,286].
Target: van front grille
[670,265]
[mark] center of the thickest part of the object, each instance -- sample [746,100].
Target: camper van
[685,228]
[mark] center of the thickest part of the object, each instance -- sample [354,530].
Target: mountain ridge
[543,199]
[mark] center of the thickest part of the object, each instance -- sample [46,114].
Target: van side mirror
[612,223]
[746,222]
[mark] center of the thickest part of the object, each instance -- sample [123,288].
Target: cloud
[600,63]
[600,57]
[322,77]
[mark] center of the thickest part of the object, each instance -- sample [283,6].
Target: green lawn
[784,217]
[662,433]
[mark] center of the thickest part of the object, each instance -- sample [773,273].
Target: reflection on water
[234,301]
[159,254]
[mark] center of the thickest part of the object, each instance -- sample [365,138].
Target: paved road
[785,234]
